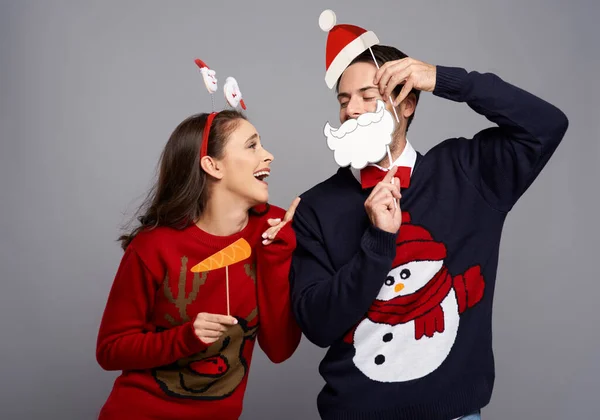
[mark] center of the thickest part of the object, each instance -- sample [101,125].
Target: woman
[204,274]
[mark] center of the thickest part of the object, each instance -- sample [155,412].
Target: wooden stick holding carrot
[227,288]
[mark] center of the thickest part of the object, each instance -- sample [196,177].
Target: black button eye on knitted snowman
[404,274]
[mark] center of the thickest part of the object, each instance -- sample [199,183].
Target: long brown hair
[179,196]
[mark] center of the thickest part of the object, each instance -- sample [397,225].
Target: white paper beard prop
[362,140]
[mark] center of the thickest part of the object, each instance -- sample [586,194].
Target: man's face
[356,92]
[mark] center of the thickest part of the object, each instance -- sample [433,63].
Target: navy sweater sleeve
[503,161]
[329,302]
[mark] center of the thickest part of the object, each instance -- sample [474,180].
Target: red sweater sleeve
[278,334]
[124,340]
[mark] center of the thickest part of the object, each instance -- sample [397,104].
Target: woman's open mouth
[262,174]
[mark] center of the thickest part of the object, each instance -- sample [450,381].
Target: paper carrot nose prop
[234,253]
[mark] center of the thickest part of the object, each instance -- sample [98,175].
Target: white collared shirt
[408,157]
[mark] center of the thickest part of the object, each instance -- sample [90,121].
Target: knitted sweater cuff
[450,82]
[380,242]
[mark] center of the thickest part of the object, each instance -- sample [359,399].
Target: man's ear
[408,105]
[211,167]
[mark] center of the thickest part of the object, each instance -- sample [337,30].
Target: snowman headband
[232,93]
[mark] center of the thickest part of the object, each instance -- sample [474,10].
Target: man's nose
[354,108]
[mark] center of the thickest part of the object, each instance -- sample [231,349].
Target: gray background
[90,91]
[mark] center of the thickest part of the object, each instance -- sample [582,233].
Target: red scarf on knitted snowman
[415,243]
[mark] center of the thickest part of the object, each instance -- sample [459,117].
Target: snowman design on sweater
[411,327]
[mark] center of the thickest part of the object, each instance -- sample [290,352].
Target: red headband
[204,147]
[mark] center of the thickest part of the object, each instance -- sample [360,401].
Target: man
[397,278]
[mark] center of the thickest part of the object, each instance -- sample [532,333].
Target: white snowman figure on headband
[233,95]
[231,89]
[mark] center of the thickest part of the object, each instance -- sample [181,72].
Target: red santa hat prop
[344,44]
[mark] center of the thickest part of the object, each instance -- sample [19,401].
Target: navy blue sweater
[407,317]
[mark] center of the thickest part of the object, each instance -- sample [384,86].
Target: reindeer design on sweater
[215,372]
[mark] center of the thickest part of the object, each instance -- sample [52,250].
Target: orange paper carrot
[236,252]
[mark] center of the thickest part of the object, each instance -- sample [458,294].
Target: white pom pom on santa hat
[327,20]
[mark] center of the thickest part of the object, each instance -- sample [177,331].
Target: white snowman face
[233,95]
[210,79]
[408,278]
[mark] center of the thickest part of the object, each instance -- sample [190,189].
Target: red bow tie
[371,175]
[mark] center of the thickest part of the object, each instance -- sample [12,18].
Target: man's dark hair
[383,54]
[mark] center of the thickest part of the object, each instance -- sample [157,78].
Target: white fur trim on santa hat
[347,54]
